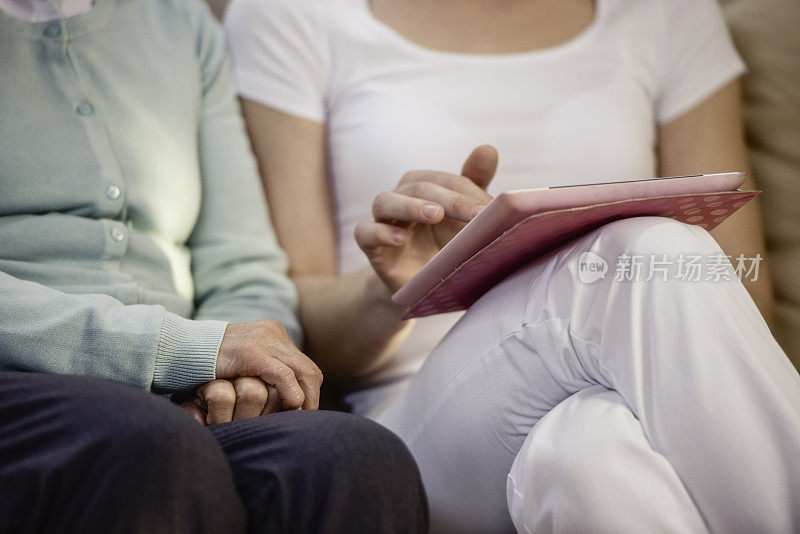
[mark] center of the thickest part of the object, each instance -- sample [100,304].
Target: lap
[37,410]
[512,357]
[309,443]
[80,453]
[91,453]
[531,341]
[323,471]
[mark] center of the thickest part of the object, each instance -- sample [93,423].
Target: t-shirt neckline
[556,50]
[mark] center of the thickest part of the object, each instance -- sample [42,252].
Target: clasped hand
[259,371]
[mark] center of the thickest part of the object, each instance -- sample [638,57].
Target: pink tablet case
[516,229]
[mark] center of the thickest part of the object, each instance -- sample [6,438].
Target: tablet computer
[591,205]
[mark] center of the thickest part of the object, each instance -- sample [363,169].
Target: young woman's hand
[426,209]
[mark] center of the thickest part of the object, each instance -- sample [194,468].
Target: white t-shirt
[584,111]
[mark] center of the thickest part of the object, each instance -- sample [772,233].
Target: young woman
[343,97]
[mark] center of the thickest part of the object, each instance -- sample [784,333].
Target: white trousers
[668,404]
[587,467]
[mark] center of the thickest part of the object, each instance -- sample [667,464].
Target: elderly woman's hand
[426,209]
[263,350]
[220,401]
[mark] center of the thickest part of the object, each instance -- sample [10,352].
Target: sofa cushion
[765,32]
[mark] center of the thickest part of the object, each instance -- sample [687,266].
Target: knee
[113,449]
[361,448]
[313,444]
[588,462]
[571,458]
[654,235]
[131,422]
[138,435]
[575,442]
[376,468]
[358,471]
[631,247]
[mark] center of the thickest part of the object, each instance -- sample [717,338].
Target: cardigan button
[118,234]
[52,30]
[85,108]
[113,192]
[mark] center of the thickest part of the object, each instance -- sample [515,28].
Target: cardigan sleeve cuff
[187,353]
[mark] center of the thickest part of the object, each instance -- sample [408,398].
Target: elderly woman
[135,250]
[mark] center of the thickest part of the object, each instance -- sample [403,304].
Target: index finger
[454,182]
[411,200]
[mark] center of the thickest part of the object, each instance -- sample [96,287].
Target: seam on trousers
[599,361]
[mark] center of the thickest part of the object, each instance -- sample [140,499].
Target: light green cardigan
[129,199]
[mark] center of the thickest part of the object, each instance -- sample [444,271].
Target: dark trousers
[87,455]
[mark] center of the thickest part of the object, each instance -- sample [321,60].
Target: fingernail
[430,211]
[476,210]
[399,237]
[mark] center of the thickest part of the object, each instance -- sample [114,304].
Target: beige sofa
[766,34]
